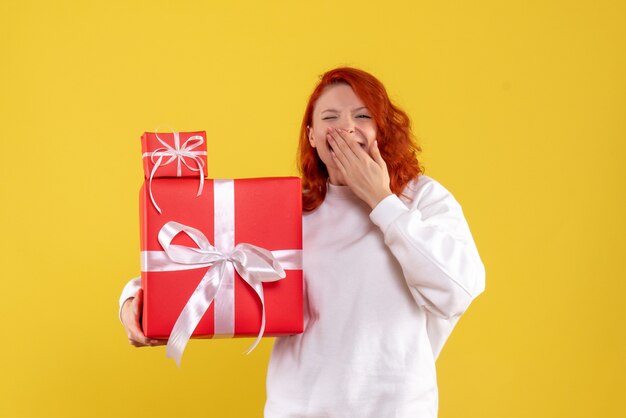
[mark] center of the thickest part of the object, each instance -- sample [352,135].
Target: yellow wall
[519,105]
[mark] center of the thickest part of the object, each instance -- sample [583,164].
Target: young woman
[389,265]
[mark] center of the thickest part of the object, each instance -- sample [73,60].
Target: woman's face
[339,107]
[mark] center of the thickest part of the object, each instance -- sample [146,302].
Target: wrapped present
[225,263]
[174,154]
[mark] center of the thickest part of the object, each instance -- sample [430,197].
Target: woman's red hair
[395,140]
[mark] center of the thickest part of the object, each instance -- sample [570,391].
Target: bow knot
[254,264]
[180,154]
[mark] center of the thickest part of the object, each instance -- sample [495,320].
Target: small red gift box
[263,212]
[174,154]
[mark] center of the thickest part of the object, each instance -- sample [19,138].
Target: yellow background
[519,105]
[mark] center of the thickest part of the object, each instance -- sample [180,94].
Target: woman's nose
[348,125]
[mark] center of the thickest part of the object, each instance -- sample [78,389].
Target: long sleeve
[432,242]
[129,291]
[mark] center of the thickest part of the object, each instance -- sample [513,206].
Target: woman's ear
[310,135]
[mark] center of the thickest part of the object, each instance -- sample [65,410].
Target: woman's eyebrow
[336,111]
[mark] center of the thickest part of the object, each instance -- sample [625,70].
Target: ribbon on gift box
[180,154]
[254,264]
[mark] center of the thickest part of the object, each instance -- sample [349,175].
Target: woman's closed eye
[357,116]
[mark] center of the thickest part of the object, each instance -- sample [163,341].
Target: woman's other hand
[363,170]
[131,320]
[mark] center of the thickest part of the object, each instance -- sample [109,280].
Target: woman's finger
[342,141]
[339,149]
[339,164]
[338,156]
[135,333]
[375,152]
[349,145]
[355,146]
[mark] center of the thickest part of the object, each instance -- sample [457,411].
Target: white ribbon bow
[254,264]
[180,154]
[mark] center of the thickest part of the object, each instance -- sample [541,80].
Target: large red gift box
[266,212]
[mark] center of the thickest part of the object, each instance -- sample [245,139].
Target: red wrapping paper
[268,214]
[150,144]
